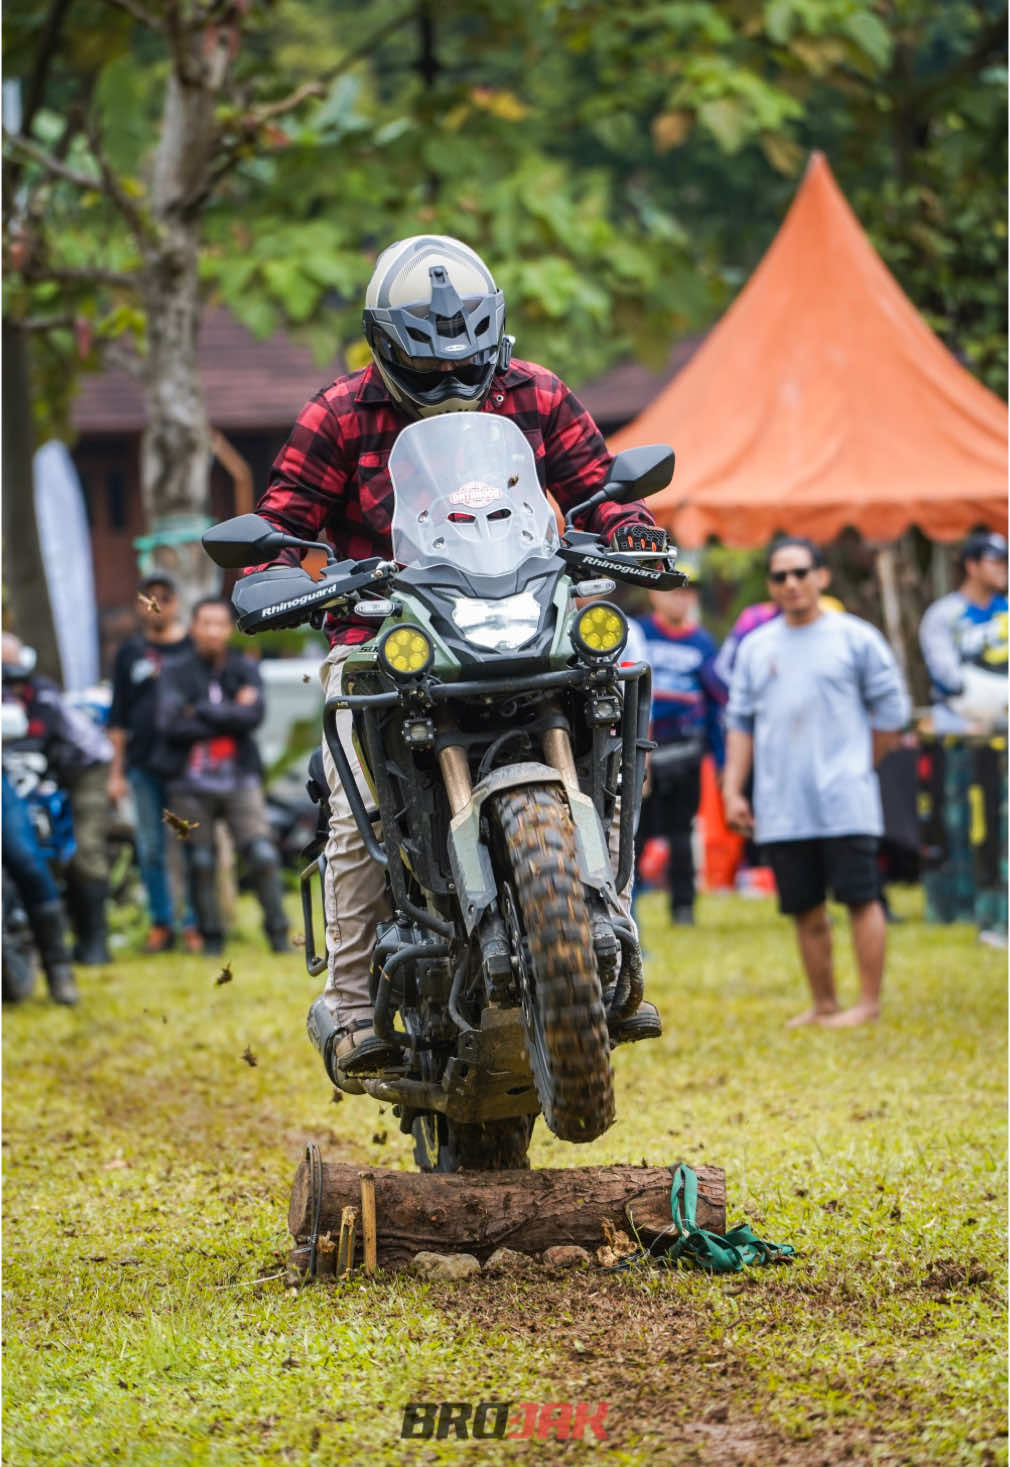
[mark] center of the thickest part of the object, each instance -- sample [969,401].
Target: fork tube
[456,773]
[558,754]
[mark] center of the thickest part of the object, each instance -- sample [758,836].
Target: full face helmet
[435,322]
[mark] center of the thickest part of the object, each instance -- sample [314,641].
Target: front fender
[470,858]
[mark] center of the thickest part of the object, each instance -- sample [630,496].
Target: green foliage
[148,1170]
[622,168]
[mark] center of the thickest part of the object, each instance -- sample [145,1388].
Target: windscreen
[467,494]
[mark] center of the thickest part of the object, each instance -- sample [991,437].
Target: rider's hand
[639,537]
[247,696]
[117,786]
[738,814]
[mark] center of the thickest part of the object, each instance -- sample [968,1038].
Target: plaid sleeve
[578,459]
[310,474]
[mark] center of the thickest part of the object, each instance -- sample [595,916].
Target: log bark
[477,1212]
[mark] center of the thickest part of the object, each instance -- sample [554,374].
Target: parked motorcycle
[504,744]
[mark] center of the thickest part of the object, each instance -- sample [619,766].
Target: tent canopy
[822,399]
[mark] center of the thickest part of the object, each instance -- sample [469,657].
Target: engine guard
[487,1079]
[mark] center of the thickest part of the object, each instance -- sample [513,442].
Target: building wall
[109,469]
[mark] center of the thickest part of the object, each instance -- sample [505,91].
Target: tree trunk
[175,449]
[28,612]
[477,1212]
[175,452]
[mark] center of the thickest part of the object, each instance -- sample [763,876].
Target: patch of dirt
[650,1356]
[944,1274]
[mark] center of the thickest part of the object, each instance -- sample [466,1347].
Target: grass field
[148,1166]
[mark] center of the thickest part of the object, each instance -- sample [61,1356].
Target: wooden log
[477,1212]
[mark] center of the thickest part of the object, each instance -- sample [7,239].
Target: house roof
[248,384]
[257,385]
[822,399]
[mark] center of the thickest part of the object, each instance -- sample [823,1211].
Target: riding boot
[264,873]
[86,901]
[49,929]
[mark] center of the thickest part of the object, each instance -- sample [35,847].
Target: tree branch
[231,152]
[52,165]
[143,230]
[145,17]
[82,275]
[271,110]
[48,46]
[48,323]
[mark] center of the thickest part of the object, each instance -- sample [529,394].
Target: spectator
[210,702]
[25,865]
[815,701]
[963,769]
[687,703]
[77,754]
[964,642]
[139,665]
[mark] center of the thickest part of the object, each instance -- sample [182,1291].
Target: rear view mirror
[249,540]
[639,472]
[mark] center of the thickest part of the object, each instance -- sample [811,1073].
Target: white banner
[65,542]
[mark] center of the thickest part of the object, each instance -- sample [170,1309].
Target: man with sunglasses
[816,700]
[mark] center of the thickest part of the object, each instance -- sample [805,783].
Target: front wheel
[551,935]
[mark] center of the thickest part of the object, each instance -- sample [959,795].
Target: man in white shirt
[815,702]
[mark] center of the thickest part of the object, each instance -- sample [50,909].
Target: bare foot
[813,1016]
[860,1013]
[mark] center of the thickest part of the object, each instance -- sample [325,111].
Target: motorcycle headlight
[600,631]
[501,626]
[406,652]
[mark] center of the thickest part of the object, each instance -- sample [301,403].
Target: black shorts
[805,870]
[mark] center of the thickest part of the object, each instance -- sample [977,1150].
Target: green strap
[714,1252]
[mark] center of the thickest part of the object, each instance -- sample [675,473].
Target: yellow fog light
[601,630]
[406,651]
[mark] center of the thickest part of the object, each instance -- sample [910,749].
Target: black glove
[639,537]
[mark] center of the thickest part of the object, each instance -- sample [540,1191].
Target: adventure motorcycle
[504,744]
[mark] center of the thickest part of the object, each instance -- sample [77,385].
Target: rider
[435,322]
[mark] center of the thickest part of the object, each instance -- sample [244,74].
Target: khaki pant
[89,802]
[355,886]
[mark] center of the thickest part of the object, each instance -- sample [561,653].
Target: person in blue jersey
[964,642]
[687,699]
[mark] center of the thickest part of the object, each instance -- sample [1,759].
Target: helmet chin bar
[464,400]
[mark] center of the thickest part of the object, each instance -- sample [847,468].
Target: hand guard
[639,537]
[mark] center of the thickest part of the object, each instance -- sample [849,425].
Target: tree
[263,154]
[134,265]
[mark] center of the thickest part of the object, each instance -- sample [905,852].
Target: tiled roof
[251,384]
[248,384]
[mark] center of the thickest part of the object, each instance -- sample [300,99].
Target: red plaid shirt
[331,476]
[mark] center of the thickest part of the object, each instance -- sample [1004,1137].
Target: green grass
[148,1166]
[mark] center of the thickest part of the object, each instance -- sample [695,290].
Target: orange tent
[822,399]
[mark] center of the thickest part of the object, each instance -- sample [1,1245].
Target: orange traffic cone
[722,848]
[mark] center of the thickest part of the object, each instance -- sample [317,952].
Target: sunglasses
[779,578]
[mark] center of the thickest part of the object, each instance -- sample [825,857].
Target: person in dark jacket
[77,753]
[136,677]
[210,702]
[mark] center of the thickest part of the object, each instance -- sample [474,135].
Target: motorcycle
[503,742]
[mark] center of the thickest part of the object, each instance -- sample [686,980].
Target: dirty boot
[86,903]
[49,929]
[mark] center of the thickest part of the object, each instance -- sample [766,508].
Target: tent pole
[891,604]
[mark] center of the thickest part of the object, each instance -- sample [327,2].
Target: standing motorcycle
[503,742]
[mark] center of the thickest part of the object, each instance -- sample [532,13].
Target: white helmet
[435,322]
